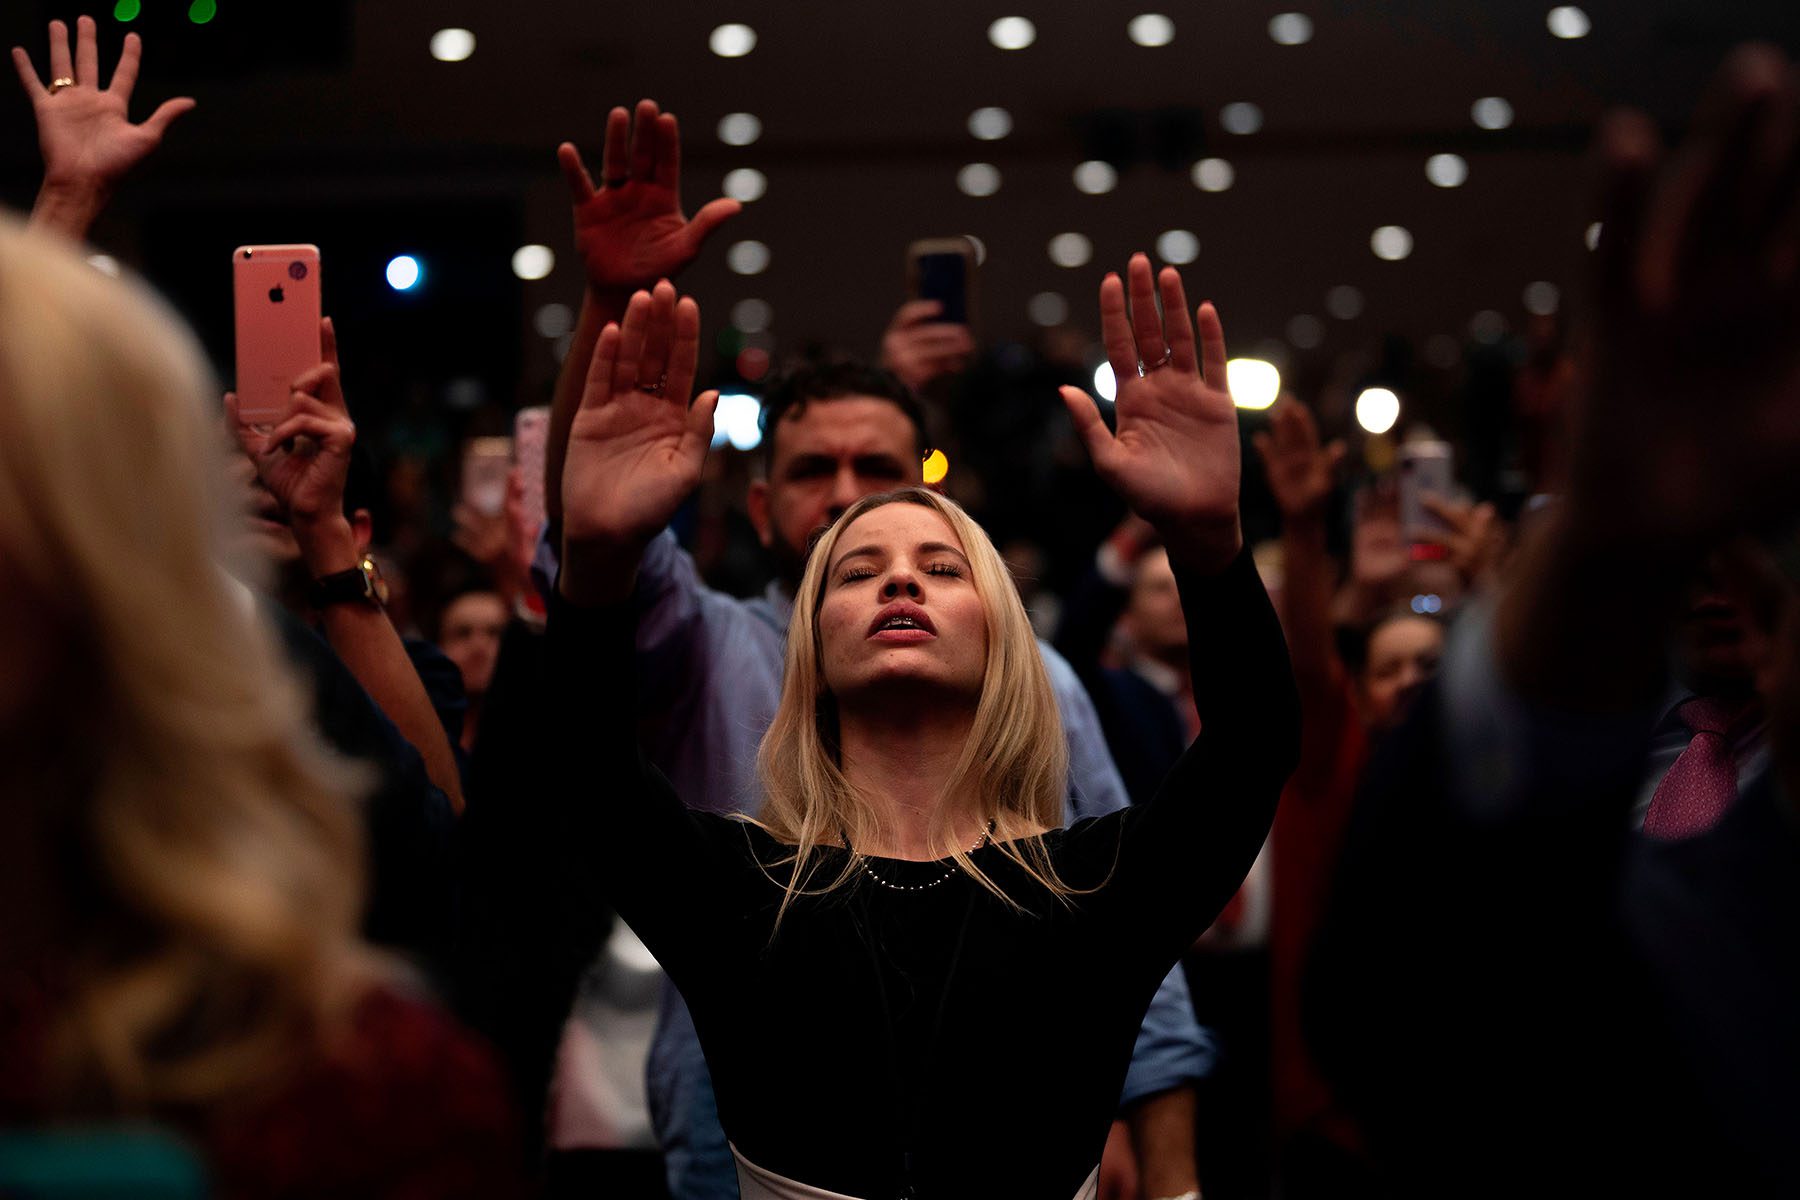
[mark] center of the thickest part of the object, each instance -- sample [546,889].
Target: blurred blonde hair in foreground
[182,862]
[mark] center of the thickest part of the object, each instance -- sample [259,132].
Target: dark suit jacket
[1551,1005]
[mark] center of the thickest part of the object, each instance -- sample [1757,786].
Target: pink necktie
[1702,783]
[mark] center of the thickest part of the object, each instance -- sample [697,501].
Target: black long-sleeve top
[936,1032]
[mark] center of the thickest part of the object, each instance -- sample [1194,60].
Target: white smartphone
[277,301]
[1426,469]
[487,461]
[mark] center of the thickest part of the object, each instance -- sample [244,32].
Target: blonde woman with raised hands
[907,980]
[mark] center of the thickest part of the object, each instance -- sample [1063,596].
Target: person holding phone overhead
[181,859]
[907,981]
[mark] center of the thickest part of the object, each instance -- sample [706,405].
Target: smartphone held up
[943,269]
[277,306]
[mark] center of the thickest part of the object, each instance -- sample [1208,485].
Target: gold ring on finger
[61,82]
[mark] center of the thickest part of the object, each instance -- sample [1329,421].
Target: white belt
[755,1183]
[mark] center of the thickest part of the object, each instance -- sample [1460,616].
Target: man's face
[1714,646]
[826,457]
[1153,617]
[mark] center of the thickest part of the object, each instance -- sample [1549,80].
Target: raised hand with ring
[632,231]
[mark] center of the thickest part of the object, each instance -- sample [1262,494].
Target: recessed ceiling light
[1344,302]
[747,258]
[990,124]
[1012,33]
[732,41]
[1306,331]
[1447,170]
[1567,21]
[1291,28]
[452,45]
[746,184]
[533,261]
[1070,250]
[752,315]
[1391,243]
[1213,175]
[1106,384]
[978,179]
[1151,29]
[1541,298]
[1492,112]
[1377,409]
[1178,246]
[1095,177]
[1487,326]
[1048,309]
[1241,117]
[553,320]
[739,129]
[1253,382]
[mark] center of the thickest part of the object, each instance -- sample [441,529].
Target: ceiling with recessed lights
[1328,173]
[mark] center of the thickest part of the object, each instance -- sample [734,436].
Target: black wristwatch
[362,584]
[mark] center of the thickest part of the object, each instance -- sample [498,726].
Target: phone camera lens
[297,271]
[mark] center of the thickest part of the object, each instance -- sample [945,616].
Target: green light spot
[127,10]
[202,11]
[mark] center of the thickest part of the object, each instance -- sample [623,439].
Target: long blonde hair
[198,881]
[1015,759]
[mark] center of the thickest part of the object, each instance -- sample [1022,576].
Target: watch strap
[342,587]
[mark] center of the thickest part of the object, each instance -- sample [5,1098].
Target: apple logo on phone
[276,295]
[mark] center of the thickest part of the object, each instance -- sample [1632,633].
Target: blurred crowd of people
[304,898]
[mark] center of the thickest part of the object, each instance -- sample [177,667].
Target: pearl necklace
[863,859]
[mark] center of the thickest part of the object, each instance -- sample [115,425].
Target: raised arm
[630,232]
[636,448]
[1175,460]
[1688,426]
[1301,474]
[84,132]
[304,462]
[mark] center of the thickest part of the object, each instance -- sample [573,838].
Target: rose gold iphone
[277,299]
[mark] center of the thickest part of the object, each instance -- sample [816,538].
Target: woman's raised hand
[1175,457]
[87,138]
[637,445]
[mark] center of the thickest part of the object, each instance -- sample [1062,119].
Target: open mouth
[902,623]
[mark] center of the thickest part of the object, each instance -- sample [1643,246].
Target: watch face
[378,586]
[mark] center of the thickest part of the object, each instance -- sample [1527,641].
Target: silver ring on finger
[653,389]
[1168,356]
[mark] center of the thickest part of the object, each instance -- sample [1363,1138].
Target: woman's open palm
[1175,457]
[636,446]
